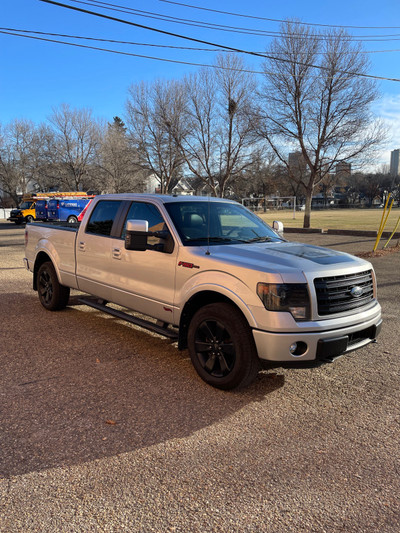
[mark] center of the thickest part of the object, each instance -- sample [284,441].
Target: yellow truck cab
[25,212]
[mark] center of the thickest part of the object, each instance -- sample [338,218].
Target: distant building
[395,162]
[343,170]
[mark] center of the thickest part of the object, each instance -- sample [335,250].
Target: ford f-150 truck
[211,275]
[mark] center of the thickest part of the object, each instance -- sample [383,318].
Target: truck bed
[59,225]
[58,238]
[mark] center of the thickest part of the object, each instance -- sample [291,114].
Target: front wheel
[221,347]
[52,295]
[29,219]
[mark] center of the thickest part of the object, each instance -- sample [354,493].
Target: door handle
[117,253]
[82,246]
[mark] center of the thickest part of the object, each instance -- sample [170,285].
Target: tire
[221,347]
[29,219]
[72,220]
[52,295]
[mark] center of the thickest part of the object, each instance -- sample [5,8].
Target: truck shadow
[78,385]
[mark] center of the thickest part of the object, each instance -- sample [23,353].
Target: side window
[149,212]
[102,218]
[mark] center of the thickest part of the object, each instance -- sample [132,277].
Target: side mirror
[278,227]
[136,235]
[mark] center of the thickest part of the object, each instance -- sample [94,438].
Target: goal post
[272,203]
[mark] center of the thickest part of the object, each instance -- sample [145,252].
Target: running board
[101,305]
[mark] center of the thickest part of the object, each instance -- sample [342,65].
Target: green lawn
[358,219]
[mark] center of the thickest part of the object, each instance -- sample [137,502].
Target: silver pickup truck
[211,275]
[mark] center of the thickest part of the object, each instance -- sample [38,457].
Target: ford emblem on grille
[356,291]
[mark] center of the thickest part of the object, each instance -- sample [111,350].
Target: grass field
[357,219]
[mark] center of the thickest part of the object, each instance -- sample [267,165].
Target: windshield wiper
[214,239]
[259,239]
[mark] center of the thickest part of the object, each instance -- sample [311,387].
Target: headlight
[289,297]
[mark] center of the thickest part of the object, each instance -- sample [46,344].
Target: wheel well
[41,258]
[192,306]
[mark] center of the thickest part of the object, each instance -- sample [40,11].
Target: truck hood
[284,257]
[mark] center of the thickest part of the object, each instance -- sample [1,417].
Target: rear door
[41,210]
[53,209]
[94,263]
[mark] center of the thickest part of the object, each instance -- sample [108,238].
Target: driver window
[149,212]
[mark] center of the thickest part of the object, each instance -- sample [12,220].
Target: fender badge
[187,265]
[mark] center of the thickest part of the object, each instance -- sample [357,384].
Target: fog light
[298,348]
[293,347]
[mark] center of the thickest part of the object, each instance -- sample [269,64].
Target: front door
[145,281]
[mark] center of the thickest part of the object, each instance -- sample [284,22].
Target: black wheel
[221,347]
[52,295]
[29,219]
[72,219]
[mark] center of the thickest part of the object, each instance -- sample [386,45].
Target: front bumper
[322,346]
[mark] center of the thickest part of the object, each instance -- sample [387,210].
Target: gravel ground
[107,428]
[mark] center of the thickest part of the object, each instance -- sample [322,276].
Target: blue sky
[37,76]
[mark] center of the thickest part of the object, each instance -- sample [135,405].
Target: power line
[222,27]
[177,20]
[128,53]
[264,56]
[133,43]
[114,41]
[279,20]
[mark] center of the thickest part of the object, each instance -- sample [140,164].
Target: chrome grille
[334,293]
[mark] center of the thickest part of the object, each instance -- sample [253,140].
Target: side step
[101,305]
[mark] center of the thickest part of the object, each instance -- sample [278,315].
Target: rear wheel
[52,295]
[72,219]
[221,347]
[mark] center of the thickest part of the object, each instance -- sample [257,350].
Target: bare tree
[217,141]
[21,157]
[44,173]
[77,140]
[258,179]
[154,113]
[118,161]
[324,113]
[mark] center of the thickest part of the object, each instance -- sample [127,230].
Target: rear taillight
[83,212]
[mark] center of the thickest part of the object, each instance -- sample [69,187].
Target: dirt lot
[107,428]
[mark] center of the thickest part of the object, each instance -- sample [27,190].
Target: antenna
[208,226]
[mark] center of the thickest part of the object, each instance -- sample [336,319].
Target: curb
[359,233]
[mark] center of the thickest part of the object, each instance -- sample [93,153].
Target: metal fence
[4,213]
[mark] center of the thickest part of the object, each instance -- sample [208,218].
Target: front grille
[334,292]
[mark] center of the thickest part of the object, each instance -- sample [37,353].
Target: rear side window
[102,218]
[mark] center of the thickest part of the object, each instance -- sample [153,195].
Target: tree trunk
[307,213]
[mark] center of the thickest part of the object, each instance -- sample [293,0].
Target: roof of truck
[165,198]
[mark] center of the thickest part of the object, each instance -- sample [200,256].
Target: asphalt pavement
[107,428]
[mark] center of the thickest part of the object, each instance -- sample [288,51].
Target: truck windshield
[26,205]
[199,223]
